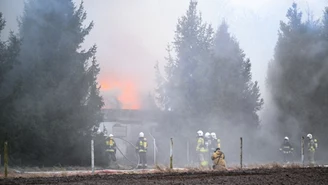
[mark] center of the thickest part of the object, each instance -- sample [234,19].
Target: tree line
[50,99]
[207,77]
[207,81]
[297,77]
[207,85]
[49,95]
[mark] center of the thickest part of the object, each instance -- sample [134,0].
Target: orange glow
[126,91]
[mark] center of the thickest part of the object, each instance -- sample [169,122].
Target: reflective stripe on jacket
[201,145]
[313,145]
[286,147]
[111,145]
[142,145]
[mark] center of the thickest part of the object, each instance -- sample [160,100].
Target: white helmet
[207,135]
[213,135]
[286,138]
[98,131]
[200,133]
[309,136]
[141,134]
[110,135]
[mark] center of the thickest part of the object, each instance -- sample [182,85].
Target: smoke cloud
[132,35]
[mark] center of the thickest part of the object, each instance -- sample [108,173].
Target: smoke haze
[132,35]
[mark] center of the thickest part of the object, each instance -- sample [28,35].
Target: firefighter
[215,143]
[111,151]
[141,149]
[218,159]
[286,149]
[207,140]
[208,145]
[201,150]
[312,147]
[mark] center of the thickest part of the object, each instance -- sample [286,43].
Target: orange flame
[127,92]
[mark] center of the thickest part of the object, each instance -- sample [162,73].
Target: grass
[270,166]
[294,165]
[264,166]
[158,169]
[164,169]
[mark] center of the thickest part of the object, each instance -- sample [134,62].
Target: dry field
[267,174]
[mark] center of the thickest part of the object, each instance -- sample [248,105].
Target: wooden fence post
[241,152]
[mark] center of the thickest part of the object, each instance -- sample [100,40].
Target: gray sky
[132,35]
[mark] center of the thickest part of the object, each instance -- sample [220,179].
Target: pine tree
[182,88]
[295,76]
[209,79]
[191,45]
[9,90]
[60,100]
[160,96]
[9,51]
[237,98]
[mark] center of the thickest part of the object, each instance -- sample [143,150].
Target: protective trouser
[311,157]
[208,159]
[111,159]
[287,156]
[203,159]
[202,152]
[143,160]
[312,146]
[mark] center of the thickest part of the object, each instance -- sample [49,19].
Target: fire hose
[137,155]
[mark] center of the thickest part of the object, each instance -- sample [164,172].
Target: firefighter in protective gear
[111,151]
[312,147]
[218,159]
[141,149]
[201,149]
[207,140]
[286,149]
[208,145]
[215,143]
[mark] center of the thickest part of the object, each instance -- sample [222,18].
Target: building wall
[133,131]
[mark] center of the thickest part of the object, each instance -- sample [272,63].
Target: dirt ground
[255,176]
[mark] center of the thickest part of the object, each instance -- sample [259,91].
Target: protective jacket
[201,145]
[142,145]
[111,145]
[313,145]
[208,143]
[215,143]
[218,159]
[286,147]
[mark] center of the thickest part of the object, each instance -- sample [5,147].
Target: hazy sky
[132,34]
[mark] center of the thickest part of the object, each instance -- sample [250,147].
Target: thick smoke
[131,46]
[297,79]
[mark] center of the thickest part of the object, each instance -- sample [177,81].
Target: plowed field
[254,176]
